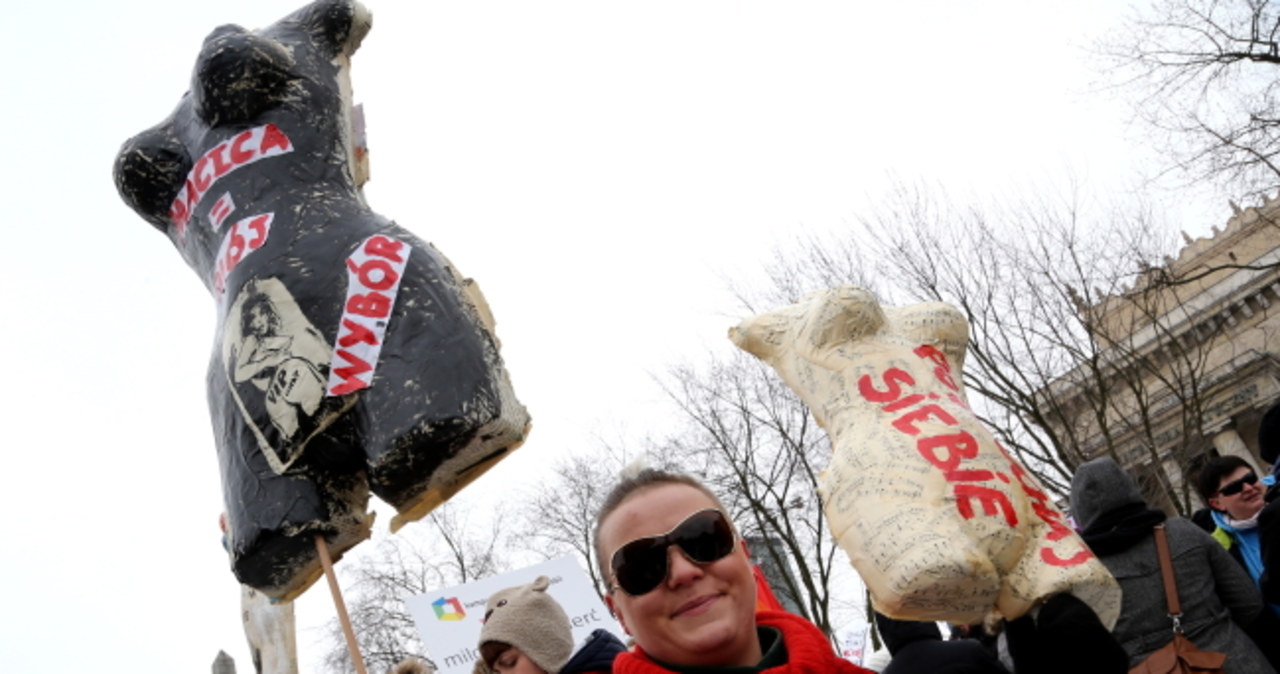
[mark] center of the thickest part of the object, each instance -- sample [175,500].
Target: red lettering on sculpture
[190,193]
[371,305]
[387,276]
[220,165]
[374,271]
[178,214]
[259,227]
[235,248]
[968,475]
[892,378]
[273,138]
[384,247]
[202,181]
[1057,529]
[904,402]
[239,155]
[954,447]
[1049,556]
[907,422]
[947,452]
[943,371]
[220,210]
[993,501]
[349,374]
[242,238]
[356,334]
[221,160]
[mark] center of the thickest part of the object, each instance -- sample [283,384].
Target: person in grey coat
[1217,595]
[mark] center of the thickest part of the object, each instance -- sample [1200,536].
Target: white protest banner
[853,644]
[449,620]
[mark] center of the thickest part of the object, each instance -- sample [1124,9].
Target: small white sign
[853,644]
[449,620]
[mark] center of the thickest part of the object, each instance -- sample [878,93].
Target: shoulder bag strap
[1170,582]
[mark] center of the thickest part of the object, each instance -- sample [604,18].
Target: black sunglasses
[1236,486]
[641,565]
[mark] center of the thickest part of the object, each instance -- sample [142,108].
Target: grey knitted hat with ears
[527,618]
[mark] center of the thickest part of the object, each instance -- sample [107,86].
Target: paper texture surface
[938,519]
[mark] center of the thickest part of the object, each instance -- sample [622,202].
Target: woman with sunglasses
[681,584]
[1217,597]
[1236,498]
[1235,494]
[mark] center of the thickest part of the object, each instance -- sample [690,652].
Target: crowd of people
[681,585]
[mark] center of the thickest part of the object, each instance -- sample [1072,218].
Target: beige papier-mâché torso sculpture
[938,519]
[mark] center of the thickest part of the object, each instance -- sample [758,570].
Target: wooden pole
[323,549]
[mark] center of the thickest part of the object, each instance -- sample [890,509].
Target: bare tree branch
[444,550]
[1204,72]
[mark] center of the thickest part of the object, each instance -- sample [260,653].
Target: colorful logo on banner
[448,609]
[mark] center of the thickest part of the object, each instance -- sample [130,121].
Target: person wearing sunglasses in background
[1235,494]
[681,584]
[1236,498]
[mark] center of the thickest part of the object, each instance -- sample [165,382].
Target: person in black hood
[595,655]
[917,646]
[1217,595]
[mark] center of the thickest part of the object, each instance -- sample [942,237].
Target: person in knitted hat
[525,631]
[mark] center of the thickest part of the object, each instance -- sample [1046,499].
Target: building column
[1229,442]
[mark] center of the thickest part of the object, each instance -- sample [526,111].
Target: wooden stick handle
[322,548]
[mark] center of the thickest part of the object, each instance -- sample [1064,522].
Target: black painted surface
[294,463]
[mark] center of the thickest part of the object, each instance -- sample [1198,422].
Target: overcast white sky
[598,167]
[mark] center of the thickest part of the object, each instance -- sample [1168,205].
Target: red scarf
[808,651]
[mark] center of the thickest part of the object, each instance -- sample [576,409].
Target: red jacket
[808,650]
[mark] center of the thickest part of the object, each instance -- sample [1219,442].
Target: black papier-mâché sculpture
[349,356]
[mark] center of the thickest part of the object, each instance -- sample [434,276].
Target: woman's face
[514,661]
[259,320]
[1243,504]
[700,614]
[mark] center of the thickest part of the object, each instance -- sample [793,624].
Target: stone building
[1185,361]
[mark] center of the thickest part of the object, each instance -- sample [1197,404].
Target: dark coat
[1064,636]
[918,647]
[1269,533]
[1217,596]
[595,655]
[1266,626]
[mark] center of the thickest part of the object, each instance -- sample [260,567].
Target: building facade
[1185,362]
